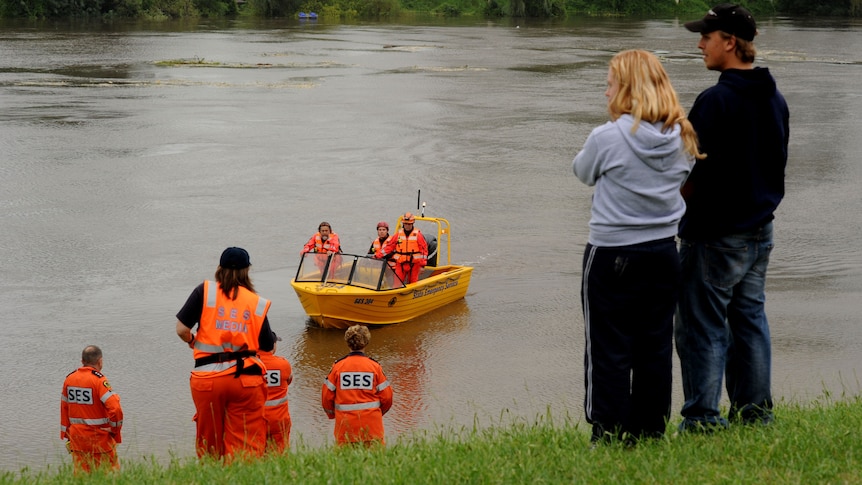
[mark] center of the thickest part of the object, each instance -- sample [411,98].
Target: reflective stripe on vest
[216,367]
[382,386]
[407,247]
[89,422]
[329,385]
[106,396]
[276,402]
[358,406]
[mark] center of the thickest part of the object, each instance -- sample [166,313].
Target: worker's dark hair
[231,279]
[91,355]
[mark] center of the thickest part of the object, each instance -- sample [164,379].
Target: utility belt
[239,357]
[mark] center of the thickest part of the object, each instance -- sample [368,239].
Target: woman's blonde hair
[645,92]
[357,337]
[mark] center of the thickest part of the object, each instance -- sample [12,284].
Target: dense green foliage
[335,10]
[816,443]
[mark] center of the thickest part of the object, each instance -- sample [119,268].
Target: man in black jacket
[726,233]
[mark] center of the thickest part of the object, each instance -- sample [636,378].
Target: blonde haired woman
[637,162]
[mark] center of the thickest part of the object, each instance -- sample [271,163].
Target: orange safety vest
[377,245]
[377,248]
[317,245]
[356,394]
[228,331]
[91,417]
[412,248]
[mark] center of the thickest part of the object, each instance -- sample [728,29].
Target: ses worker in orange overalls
[324,242]
[356,393]
[91,418]
[279,375]
[409,248]
[227,383]
[382,237]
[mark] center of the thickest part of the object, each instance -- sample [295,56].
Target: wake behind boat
[340,290]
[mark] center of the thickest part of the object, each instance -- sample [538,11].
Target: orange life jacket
[356,394]
[91,417]
[317,245]
[376,245]
[228,331]
[412,248]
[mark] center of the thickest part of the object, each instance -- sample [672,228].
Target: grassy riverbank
[808,444]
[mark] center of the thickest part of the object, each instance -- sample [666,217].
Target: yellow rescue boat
[340,290]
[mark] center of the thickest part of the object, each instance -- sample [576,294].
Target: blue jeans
[721,328]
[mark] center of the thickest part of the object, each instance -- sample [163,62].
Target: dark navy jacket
[743,127]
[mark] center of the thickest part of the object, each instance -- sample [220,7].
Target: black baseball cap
[726,17]
[234,258]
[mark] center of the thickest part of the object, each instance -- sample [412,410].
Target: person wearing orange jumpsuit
[227,383]
[325,243]
[279,375]
[356,393]
[91,418]
[409,249]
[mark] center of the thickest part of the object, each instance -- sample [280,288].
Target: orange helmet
[408,218]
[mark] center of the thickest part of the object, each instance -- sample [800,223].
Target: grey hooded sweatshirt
[637,178]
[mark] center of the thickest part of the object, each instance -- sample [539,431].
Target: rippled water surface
[131,156]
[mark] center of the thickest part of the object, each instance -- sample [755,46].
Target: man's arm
[115,416]
[309,246]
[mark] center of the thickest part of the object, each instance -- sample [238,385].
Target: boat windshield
[347,269]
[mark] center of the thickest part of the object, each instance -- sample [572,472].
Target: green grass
[817,443]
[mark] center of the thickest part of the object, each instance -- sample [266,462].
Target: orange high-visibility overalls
[277,412]
[317,245]
[227,383]
[357,394]
[91,418]
[411,254]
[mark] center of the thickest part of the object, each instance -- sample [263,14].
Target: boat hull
[332,305]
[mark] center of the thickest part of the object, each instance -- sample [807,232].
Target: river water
[124,174]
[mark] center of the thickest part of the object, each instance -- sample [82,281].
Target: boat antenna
[418,194]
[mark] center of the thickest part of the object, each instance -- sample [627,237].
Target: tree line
[394,9]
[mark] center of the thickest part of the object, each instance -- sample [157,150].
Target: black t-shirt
[190,315]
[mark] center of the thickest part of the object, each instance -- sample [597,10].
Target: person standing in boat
[356,393]
[325,243]
[408,248]
[382,237]
[227,383]
[637,162]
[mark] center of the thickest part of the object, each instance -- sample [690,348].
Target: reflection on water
[133,154]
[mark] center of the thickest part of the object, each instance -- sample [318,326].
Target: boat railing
[347,269]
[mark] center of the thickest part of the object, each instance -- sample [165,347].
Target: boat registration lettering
[363,301]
